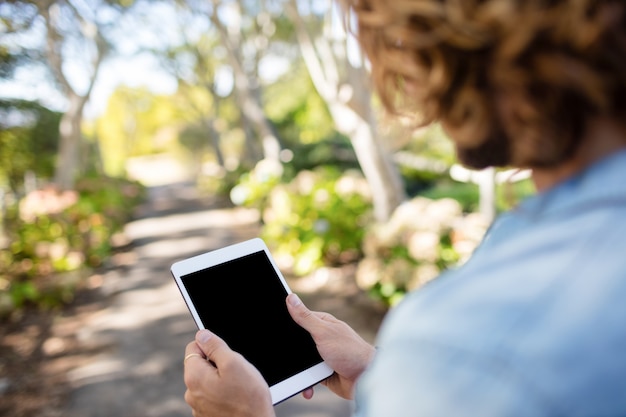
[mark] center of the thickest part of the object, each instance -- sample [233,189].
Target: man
[535,323]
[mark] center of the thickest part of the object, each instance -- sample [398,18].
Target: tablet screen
[243,302]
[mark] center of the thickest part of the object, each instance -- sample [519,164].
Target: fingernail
[294,300]
[203,336]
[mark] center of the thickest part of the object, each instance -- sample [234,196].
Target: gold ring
[190,355]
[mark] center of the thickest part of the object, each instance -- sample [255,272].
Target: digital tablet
[239,294]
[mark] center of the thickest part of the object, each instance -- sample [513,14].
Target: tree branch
[90,30]
[53,54]
[309,54]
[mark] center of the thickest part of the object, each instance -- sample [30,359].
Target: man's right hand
[347,353]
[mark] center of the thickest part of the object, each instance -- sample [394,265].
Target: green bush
[29,136]
[55,235]
[467,194]
[254,187]
[317,219]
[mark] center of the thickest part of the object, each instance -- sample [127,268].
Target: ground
[39,349]
[36,350]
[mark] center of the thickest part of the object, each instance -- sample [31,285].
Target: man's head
[513,82]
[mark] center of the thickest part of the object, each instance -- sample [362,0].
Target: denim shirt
[533,325]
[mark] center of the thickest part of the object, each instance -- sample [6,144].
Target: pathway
[140,335]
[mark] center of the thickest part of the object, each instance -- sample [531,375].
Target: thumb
[214,347]
[301,314]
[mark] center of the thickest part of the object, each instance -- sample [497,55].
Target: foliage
[317,219]
[434,231]
[29,137]
[8,62]
[296,109]
[510,194]
[305,126]
[54,235]
[255,186]
[218,181]
[433,143]
[467,194]
[195,138]
[423,238]
[136,122]
[333,151]
[425,154]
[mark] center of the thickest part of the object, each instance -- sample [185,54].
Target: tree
[29,137]
[344,85]
[195,65]
[72,40]
[137,122]
[247,30]
[85,31]
[247,88]
[236,48]
[8,62]
[16,18]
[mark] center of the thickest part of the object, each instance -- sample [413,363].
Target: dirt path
[133,340]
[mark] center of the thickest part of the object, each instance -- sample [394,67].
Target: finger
[192,347]
[308,393]
[300,313]
[196,366]
[213,347]
[194,353]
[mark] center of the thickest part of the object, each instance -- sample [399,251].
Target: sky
[128,67]
[150,26]
[136,72]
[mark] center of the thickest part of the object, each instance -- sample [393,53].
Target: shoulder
[532,325]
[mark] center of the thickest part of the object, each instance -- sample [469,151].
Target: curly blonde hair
[514,82]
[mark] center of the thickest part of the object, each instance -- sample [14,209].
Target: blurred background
[124,123]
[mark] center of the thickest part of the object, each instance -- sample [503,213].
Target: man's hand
[220,382]
[338,344]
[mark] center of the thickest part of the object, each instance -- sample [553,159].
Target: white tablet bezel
[288,387]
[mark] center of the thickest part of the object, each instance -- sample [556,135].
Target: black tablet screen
[243,301]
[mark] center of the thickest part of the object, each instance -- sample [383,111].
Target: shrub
[254,187]
[317,219]
[54,235]
[423,238]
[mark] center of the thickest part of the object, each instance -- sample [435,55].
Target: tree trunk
[70,138]
[246,95]
[70,135]
[379,171]
[252,152]
[348,98]
[214,140]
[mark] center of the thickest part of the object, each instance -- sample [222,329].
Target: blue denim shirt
[533,325]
